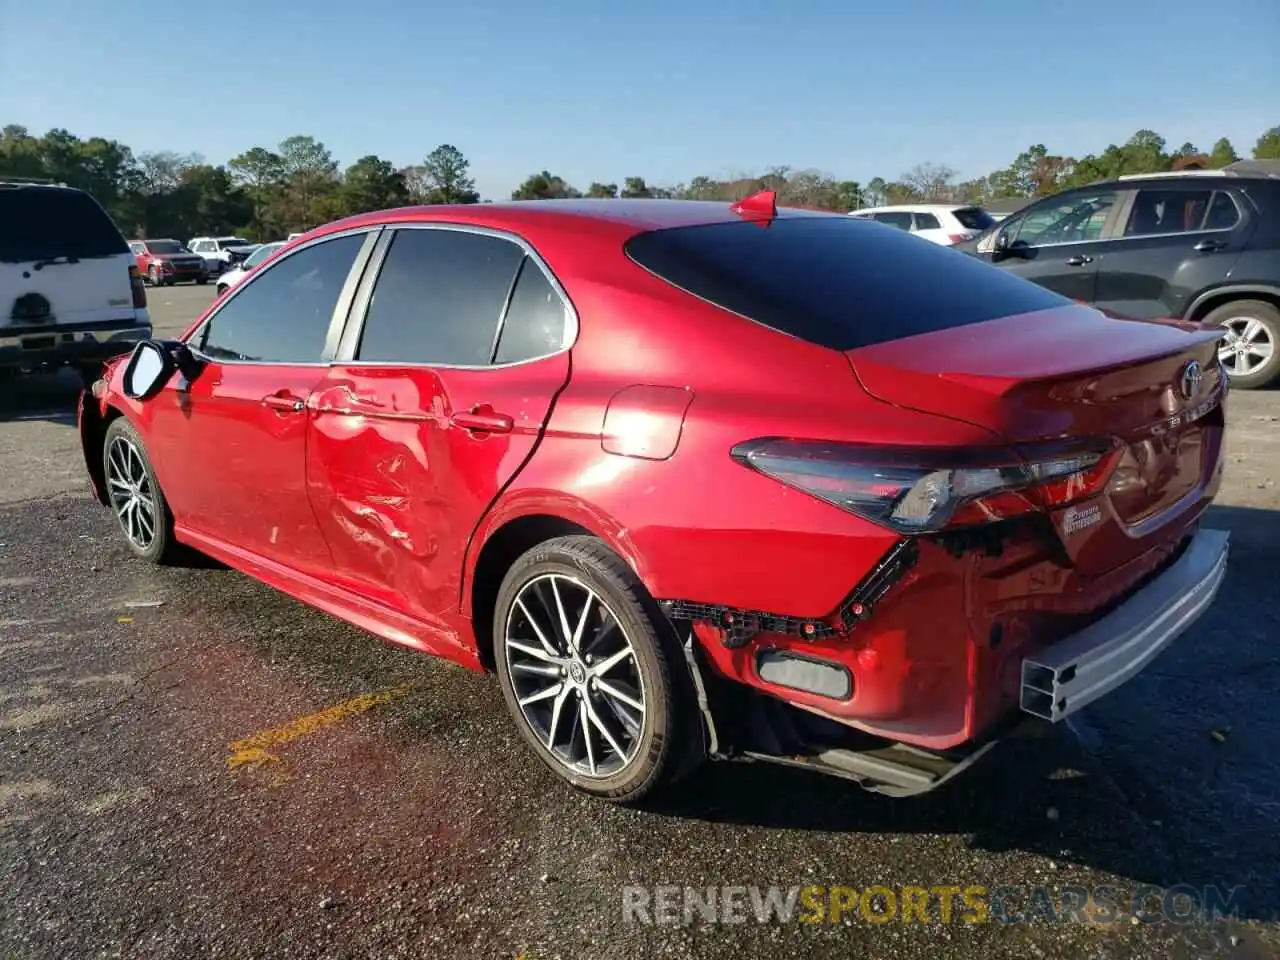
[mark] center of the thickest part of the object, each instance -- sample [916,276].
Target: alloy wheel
[575,675]
[131,494]
[1246,348]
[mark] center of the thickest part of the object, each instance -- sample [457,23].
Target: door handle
[482,419]
[1208,246]
[1078,261]
[284,401]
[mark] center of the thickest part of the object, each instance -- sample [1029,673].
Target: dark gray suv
[1200,245]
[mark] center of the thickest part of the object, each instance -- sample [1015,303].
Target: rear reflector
[807,674]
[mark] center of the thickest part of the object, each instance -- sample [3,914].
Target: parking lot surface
[193,765]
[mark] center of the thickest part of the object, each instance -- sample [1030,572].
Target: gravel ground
[416,825]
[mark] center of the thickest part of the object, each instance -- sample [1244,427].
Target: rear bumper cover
[1074,672]
[68,343]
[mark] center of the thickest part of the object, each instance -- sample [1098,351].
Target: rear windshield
[40,223]
[973,218]
[839,282]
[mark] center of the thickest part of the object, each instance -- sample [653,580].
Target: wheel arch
[93,418]
[1210,300]
[517,525]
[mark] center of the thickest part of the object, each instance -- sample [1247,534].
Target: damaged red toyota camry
[693,479]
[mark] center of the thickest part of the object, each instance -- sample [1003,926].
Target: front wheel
[201,281]
[590,671]
[1248,352]
[135,496]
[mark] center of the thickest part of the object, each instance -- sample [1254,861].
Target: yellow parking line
[253,750]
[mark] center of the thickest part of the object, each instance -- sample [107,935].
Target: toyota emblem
[1191,378]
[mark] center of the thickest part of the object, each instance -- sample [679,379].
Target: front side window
[438,298]
[1077,218]
[282,315]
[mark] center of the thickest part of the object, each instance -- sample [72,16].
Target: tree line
[268,193]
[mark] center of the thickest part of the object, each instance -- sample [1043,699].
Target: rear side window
[834,281]
[898,219]
[535,322]
[1222,214]
[927,221]
[438,298]
[973,218]
[38,223]
[1157,211]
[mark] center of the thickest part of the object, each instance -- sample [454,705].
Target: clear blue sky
[665,89]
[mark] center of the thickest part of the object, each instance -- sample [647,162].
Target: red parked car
[164,262]
[693,479]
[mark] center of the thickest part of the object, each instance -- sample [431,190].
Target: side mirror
[148,369]
[1000,247]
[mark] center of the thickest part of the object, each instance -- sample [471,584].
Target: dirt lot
[192,765]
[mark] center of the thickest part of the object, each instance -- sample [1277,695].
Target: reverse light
[915,491]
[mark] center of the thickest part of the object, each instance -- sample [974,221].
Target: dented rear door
[444,381]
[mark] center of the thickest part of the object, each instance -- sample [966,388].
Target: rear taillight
[955,238]
[914,491]
[135,285]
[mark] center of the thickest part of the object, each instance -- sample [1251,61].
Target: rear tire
[147,524]
[201,281]
[1252,344]
[627,657]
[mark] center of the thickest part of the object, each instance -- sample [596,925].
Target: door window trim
[336,319]
[358,312]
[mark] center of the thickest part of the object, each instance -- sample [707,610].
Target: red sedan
[693,479]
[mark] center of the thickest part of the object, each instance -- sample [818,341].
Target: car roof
[607,216]
[912,207]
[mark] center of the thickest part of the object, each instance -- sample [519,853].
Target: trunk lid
[1074,373]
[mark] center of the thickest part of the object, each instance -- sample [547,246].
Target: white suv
[942,223]
[70,291]
[218,251]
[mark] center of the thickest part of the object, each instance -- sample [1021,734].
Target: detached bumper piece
[752,726]
[741,626]
[1076,671]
